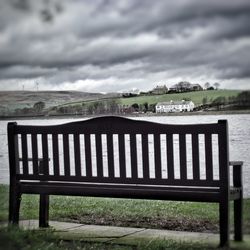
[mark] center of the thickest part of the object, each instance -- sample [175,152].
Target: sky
[119,45]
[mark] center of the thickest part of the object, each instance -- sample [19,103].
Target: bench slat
[179,194]
[122,158]
[145,155]
[170,156]
[165,182]
[55,154]
[195,156]
[88,155]
[66,154]
[183,156]
[133,154]
[77,155]
[208,156]
[99,159]
[157,155]
[110,149]
[34,154]
[24,154]
[45,163]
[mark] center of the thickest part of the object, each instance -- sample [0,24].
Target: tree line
[241,101]
[114,106]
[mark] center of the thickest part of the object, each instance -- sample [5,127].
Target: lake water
[239,137]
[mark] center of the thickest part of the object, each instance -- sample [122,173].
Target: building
[178,106]
[159,90]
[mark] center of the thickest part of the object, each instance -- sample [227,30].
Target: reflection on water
[239,132]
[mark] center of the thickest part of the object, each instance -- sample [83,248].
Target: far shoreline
[76,116]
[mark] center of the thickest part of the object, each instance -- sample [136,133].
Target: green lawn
[196,97]
[188,216]
[12,238]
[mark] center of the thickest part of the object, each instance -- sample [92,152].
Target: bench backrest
[119,150]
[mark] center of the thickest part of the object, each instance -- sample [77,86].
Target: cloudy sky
[118,45]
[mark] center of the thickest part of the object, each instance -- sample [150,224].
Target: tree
[243,99]
[112,105]
[219,101]
[135,106]
[39,106]
[145,107]
[152,107]
[216,85]
[207,85]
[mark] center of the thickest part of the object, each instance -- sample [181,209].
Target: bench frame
[42,183]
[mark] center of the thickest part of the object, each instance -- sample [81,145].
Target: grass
[196,97]
[13,238]
[188,216]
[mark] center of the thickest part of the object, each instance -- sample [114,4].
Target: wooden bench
[118,157]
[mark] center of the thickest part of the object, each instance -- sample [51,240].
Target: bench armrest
[236,163]
[237,172]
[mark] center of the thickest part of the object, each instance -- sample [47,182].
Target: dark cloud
[118,44]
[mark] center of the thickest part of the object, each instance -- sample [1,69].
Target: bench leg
[224,223]
[238,211]
[14,205]
[44,211]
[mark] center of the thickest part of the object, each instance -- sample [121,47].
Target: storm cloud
[116,45]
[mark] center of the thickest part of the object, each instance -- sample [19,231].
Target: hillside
[12,100]
[21,103]
[196,97]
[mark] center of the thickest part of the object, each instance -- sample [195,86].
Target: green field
[173,215]
[196,97]
[185,216]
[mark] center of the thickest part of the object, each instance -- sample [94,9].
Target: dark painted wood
[238,204]
[110,152]
[34,154]
[224,178]
[133,153]
[183,156]
[66,156]
[45,162]
[102,125]
[157,155]
[145,155]
[170,156]
[77,155]
[14,194]
[88,155]
[209,156]
[99,159]
[45,184]
[195,156]
[44,211]
[24,153]
[122,157]
[55,155]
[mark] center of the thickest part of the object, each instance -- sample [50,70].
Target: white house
[179,106]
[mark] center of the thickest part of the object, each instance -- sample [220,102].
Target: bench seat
[139,191]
